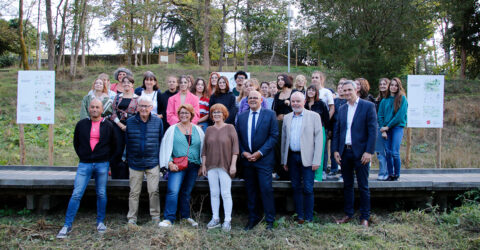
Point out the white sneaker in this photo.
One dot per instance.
(101, 228)
(226, 226)
(64, 232)
(213, 224)
(165, 223)
(132, 222)
(192, 222)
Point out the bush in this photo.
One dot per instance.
(7, 61)
(189, 58)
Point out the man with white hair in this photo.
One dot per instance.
(143, 136)
(302, 147)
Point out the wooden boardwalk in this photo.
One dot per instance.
(41, 182)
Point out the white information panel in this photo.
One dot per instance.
(425, 101)
(231, 79)
(36, 97)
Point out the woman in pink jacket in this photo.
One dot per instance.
(183, 96)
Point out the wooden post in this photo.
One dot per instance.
(159, 56)
(439, 148)
(174, 57)
(409, 147)
(21, 132)
(50, 144)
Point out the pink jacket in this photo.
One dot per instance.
(174, 103)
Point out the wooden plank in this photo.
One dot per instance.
(22, 143)
(409, 147)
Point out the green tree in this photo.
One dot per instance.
(368, 38)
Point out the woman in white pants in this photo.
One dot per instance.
(219, 157)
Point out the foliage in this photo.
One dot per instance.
(7, 60)
(189, 58)
(9, 39)
(372, 39)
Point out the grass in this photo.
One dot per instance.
(415, 229)
(460, 141)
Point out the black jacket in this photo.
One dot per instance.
(143, 142)
(228, 100)
(321, 108)
(106, 147)
(162, 107)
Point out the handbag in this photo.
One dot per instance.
(182, 162)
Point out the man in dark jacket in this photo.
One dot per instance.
(143, 137)
(94, 142)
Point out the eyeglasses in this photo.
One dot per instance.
(253, 98)
(144, 106)
(241, 77)
(217, 112)
(184, 113)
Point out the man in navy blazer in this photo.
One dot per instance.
(353, 144)
(257, 131)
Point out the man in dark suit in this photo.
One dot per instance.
(353, 144)
(257, 131)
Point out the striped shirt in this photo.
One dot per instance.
(203, 104)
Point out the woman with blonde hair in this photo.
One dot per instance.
(250, 85)
(100, 91)
(299, 84)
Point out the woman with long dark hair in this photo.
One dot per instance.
(314, 103)
(223, 95)
(392, 118)
(199, 88)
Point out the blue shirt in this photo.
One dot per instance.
(296, 131)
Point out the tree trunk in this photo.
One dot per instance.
(247, 39)
(206, 36)
(83, 51)
(23, 48)
(273, 55)
(61, 41)
(81, 30)
(222, 38)
(51, 36)
(141, 50)
(463, 62)
(38, 36)
(130, 36)
(74, 35)
(235, 36)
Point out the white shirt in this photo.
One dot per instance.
(249, 124)
(350, 113)
(152, 96)
(326, 96)
(296, 131)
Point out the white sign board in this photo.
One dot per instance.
(231, 78)
(36, 97)
(425, 101)
(164, 59)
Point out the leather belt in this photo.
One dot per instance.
(348, 146)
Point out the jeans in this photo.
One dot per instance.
(136, 182)
(204, 126)
(392, 149)
(84, 173)
(220, 183)
(350, 164)
(179, 187)
(258, 182)
(381, 155)
(302, 184)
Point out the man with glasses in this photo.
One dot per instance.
(257, 131)
(240, 78)
(143, 136)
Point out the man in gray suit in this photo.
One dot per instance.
(302, 147)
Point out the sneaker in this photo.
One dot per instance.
(156, 220)
(192, 222)
(132, 222)
(340, 179)
(101, 228)
(213, 224)
(324, 176)
(332, 173)
(227, 226)
(64, 232)
(165, 223)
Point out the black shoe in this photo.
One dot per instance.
(395, 178)
(270, 226)
(390, 178)
(251, 224)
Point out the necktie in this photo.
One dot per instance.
(252, 130)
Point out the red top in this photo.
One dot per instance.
(203, 104)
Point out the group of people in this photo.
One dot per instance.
(255, 131)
